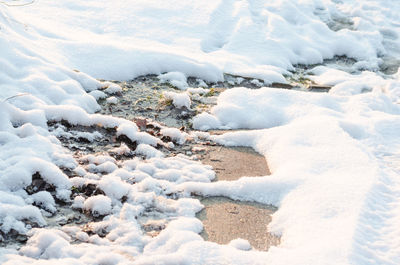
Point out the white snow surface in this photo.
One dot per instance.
(179, 100)
(257, 38)
(334, 157)
(175, 134)
(176, 79)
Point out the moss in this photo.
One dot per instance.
(75, 189)
(164, 101)
(210, 93)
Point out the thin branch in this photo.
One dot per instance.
(15, 96)
(24, 4)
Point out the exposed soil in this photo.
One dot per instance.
(231, 163)
(225, 220)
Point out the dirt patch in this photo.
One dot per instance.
(225, 220)
(231, 163)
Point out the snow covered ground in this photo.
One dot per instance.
(334, 157)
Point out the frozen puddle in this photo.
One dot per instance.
(225, 220)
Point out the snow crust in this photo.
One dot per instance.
(334, 157)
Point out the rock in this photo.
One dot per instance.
(131, 144)
(38, 184)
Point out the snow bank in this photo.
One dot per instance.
(263, 108)
(331, 167)
(35, 91)
(183, 38)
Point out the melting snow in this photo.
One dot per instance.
(334, 157)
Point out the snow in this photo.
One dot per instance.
(98, 205)
(97, 94)
(112, 100)
(60, 132)
(176, 79)
(205, 40)
(48, 244)
(78, 202)
(148, 151)
(240, 244)
(111, 88)
(325, 154)
(175, 134)
(334, 156)
(113, 187)
(179, 100)
(44, 200)
(198, 90)
(205, 121)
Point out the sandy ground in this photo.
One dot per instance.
(225, 219)
(231, 163)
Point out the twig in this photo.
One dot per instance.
(15, 96)
(24, 4)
